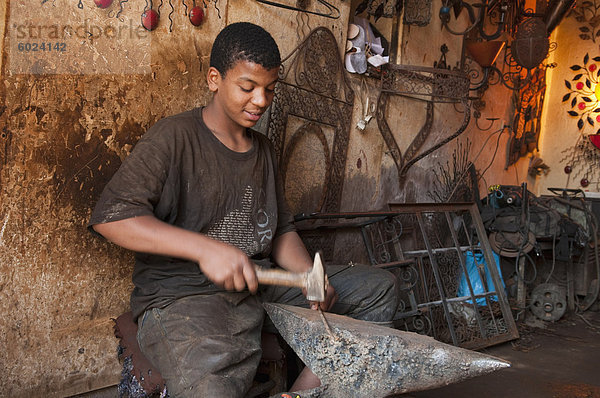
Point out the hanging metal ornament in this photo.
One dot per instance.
(196, 15)
(150, 17)
(582, 160)
(185, 8)
(103, 3)
(170, 15)
(118, 13)
(584, 182)
(531, 44)
(216, 7)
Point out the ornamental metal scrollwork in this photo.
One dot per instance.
(432, 85)
(311, 66)
(314, 89)
(420, 323)
(417, 12)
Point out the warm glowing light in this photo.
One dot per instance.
(584, 93)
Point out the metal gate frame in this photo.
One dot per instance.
(430, 304)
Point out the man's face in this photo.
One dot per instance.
(245, 92)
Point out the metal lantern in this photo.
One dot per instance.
(531, 44)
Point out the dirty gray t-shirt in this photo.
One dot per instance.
(183, 175)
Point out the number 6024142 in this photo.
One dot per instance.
(43, 46)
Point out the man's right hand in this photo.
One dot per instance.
(227, 266)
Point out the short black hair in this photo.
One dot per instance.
(244, 41)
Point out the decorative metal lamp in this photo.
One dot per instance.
(531, 44)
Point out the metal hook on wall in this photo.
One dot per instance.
(477, 21)
(334, 12)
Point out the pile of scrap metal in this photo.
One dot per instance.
(520, 224)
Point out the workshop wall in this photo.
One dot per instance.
(370, 166)
(560, 131)
(69, 118)
(372, 179)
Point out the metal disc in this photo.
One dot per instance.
(510, 244)
(548, 302)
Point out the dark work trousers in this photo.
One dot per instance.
(209, 345)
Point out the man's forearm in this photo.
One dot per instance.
(290, 253)
(147, 234)
(222, 263)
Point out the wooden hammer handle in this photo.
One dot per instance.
(279, 277)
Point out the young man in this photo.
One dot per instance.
(200, 202)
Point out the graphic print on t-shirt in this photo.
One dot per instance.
(237, 227)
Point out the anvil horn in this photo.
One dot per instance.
(359, 359)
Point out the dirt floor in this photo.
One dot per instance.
(549, 360)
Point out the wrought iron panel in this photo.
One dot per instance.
(473, 320)
(314, 89)
(425, 83)
(426, 246)
(432, 85)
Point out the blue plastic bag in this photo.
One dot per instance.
(478, 288)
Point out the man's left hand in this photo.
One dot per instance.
(330, 299)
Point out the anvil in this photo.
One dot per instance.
(358, 359)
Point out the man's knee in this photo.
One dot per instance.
(367, 293)
(385, 299)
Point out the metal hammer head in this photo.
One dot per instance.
(315, 281)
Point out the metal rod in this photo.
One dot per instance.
(394, 264)
(438, 279)
(435, 250)
(461, 260)
(329, 6)
(426, 293)
(327, 327)
(487, 253)
(482, 277)
(394, 39)
(521, 288)
(396, 209)
(455, 299)
(372, 259)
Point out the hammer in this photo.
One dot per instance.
(313, 281)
